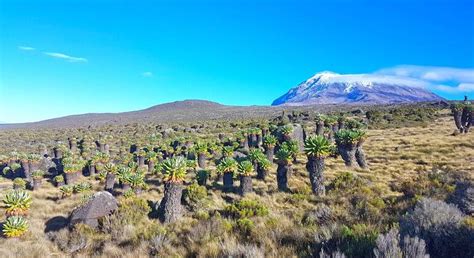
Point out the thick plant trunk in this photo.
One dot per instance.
(282, 176)
(340, 124)
(245, 185)
(259, 140)
(36, 184)
(70, 178)
(246, 143)
(457, 120)
(151, 166)
(202, 160)
(219, 177)
(101, 147)
(202, 180)
(228, 181)
(255, 165)
(170, 209)
(360, 156)
(347, 153)
(330, 136)
(109, 182)
(58, 154)
(270, 151)
(92, 170)
(261, 173)
(141, 161)
(25, 166)
(320, 129)
(33, 165)
(253, 140)
(466, 119)
(72, 146)
(334, 128)
(315, 167)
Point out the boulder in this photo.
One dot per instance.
(101, 204)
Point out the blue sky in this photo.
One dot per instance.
(67, 57)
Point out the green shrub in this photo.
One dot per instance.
(246, 208)
(66, 190)
(358, 240)
(196, 196)
(58, 179)
(345, 181)
(245, 225)
(82, 187)
(19, 183)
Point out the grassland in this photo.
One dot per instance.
(398, 158)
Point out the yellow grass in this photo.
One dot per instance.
(393, 155)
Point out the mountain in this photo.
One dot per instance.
(178, 111)
(333, 88)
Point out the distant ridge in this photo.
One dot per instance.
(185, 110)
(184, 104)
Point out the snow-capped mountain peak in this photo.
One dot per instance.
(333, 88)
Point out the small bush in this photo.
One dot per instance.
(19, 183)
(196, 196)
(245, 225)
(132, 213)
(345, 181)
(322, 214)
(414, 247)
(463, 197)
(440, 225)
(246, 208)
(388, 245)
(358, 240)
(232, 249)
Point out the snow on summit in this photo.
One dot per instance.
(333, 88)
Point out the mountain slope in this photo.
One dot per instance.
(178, 111)
(333, 88)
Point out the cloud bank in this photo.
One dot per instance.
(68, 58)
(446, 79)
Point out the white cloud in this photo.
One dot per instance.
(436, 77)
(147, 74)
(461, 88)
(68, 58)
(432, 73)
(25, 48)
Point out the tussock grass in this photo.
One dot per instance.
(394, 155)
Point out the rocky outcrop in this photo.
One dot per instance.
(101, 204)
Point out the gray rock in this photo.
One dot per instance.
(101, 204)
